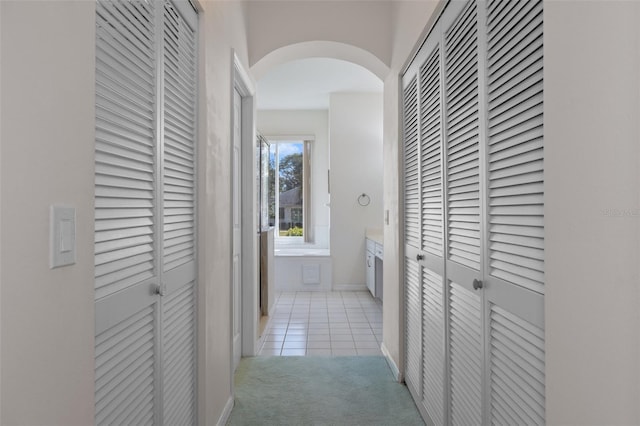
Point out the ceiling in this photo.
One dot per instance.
(307, 83)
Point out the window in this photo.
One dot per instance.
(289, 190)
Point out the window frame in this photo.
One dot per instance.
(307, 142)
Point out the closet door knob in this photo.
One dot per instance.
(160, 290)
(419, 257)
(477, 284)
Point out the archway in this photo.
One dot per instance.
(341, 52)
(317, 49)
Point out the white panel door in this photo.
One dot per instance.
(145, 213)
(237, 228)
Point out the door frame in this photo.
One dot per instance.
(242, 82)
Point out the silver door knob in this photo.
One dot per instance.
(160, 290)
(477, 284)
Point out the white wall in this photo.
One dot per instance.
(362, 23)
(592, 171)
(355, 134)
(409, 21)
(47, 132)
(222, 28)
(309, 122)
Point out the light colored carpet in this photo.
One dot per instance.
(319, 391)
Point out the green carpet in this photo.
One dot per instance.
(345, 391)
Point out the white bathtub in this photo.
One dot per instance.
(302, 269)
(297, 251)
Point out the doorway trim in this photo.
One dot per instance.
(242, 82)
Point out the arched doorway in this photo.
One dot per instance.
(370, 64)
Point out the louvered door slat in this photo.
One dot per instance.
(528, 144)
(125, 371)
(179, 131)
(178, 367)
(433, 345)
(517, 368)
(457, 35)
(124, 158)
(463, 138)
(413, 329)
(178, 173)
(131, 106)
(117, 114)
(124, 52)
(124, 214)
(431, 162)
(510, 36)
(518, 161)
(127, 18)
(466, 356)
(527, 70)
(411, 166)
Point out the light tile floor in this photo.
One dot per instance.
(332, 323)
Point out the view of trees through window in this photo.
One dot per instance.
(286, 188)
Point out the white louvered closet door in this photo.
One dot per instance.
(125, 214)
(144, 222)
(432, 253)
(178, 234)
(514, 282)
(412, 226)
(474, 176)
(463, 206)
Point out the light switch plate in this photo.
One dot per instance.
(62, 236)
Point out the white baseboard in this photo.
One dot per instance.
(226, 413)
(392, 365)
(263, 336)
(349, 287)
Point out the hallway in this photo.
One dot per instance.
(519, 122)
(330, 323)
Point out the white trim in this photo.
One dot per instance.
(246, 87)
(317, 49)
(287, 138)
(158, 206)
(249, 257)
(392, 365)
(226, 412)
